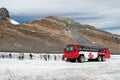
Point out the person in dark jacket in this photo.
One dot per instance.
(55, 57)
(10, 55)
(22, 55)
(3, 56)
(31, 56)
(63, 58)
(48, 57)
(45, 57)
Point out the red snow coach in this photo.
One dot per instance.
(80, 53)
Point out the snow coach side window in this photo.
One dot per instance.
(84, 49)
(100, 50)
(91, 49)
(87, 49)
(104, 50)
(80, 49)
(94, 50)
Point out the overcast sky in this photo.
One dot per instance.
(103, 14)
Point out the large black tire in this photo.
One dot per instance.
(72, 60)
(81, 59)
(99, 58)
(103, 58)
(91, 60)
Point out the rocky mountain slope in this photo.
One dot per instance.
(102, 38)
(52, 34)
(32, 38)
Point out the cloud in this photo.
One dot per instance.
(111, 28)
(99, 13)
(117, 31)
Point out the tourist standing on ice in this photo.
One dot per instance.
(19, 56)
(3, 56)
(22, 56)
(10, 55)
(45, 57)
(55, 57)
(31, 56)
(63, 58)
(48, 57)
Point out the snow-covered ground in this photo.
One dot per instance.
(39, 69)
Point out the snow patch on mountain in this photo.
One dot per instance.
(14, 22)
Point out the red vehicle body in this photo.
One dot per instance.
(80, 53)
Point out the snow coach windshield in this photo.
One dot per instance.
(69, 48)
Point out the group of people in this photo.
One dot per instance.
(46, 57)
(9, 55)
(21, 56)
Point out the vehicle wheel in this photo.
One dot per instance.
(99, 58)
(72, 60)
(103, 58)
(90, 59)
(81, 59)
(67, 59)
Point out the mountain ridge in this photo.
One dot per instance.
(52, 34)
